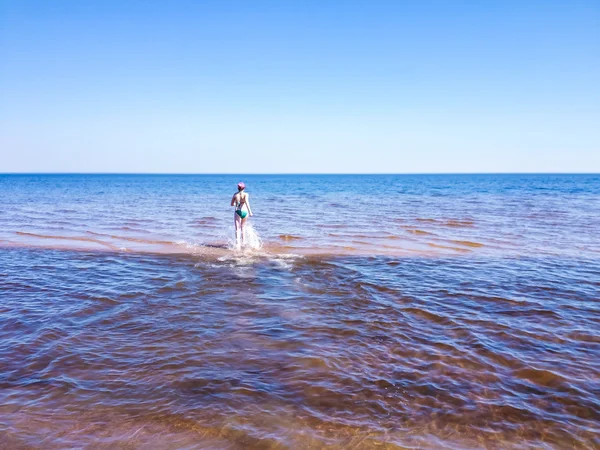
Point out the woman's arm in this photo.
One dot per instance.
(233, 200)
(248, 203)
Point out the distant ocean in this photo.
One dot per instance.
(407, 311)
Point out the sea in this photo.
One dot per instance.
(363, 311)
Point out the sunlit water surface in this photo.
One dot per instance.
(369, 312)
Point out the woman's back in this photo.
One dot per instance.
(241, 200)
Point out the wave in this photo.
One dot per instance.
(213, 251)
(447, 247)
(137, 230)
(132, 239)
(290, 237)
(342, 244)
(420, 232)
(206, 221)
(456, 223)
(469, 243)
(68, 238)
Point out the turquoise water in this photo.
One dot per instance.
(425, 311)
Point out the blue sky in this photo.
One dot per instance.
(300, 86)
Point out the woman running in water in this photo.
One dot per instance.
(242, 209)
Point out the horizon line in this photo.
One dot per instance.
(299, 173)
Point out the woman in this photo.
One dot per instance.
(242, 209)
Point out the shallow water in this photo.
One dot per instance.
(325, 214)
(455, 312)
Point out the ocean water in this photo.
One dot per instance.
(388, 311)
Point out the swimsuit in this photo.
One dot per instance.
(238, 210)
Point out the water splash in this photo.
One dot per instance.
(252, 240)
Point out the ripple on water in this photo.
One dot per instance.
(182, 350)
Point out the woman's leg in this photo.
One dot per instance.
(243, 226)
(238, 229)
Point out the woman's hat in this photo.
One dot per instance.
(241, 185)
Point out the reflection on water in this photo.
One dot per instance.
(471, 320)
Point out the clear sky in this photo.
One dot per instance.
(300, 86)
